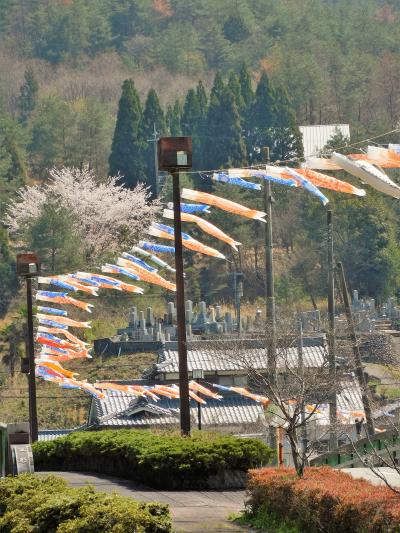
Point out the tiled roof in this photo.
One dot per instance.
(121, 409)
(214, 357)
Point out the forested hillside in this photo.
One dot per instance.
(237, 75)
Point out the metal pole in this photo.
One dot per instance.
(33, 422)
(198, 410)
(180, 310)
(333, 441)
(269, 284)
(157, 179)
(356, 352)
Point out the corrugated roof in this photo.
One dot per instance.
(51, 434)
(210, 359)
(121, 409)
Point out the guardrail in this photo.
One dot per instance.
(347, 456)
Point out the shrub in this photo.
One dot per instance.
(323, 500)
(45, 504)
(162, 460)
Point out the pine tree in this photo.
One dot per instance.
(125, 157)
(225, 145)
(153, 117)
(28, 96)
(173, 119)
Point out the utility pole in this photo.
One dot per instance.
(333, 441)
(269, 278)
(154, 140)
(356, 352)
(300, 358)
(28, 267)
(174, 154)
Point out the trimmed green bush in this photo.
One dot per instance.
(162, 460)
(45, 504)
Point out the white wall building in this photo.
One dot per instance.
(315, 137)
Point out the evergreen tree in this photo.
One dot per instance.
(224, 144)
(234, 86)
(191, 125)
(28, 95)
(262, 119)
(286, 141)
(125, 157)
(173, 119)
(17, 167)
(218, 86)
(153, 117)
(8, 277)
(202, 98)
(246, 87)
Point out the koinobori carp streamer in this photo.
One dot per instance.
(222, 203)
(52, 310)
(62, 298)
(206, 226)
(328, 182)
(139, 262)
(58, 331)
(64, 321)
(273, 174)
(366, 172)
(191, 208)
(166, 232)
(307, 185)
(145, 275)
(222, 177)
(160, 248)
(152, 258)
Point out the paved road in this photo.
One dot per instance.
(365, 473)
(192, 511)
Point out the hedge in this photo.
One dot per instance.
(324, 500)
(45, 504)
(159, 459)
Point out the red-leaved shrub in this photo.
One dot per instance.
(325, 500)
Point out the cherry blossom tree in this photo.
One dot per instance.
(106, 217)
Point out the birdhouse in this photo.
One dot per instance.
(175, 153)
(28, 265)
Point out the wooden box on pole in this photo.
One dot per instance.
(175, 154)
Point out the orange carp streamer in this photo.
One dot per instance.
(328, 182)
(64, 320)
(222, 203)
(157, 230)
(145, 275)
(206, 226)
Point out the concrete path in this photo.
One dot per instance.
(192, 511)
(365, 473)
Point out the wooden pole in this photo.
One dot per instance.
(333, 441)
(180, 310)
(33, 421)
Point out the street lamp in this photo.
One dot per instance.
(198, 374)
(175, 154)
(28, 267)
